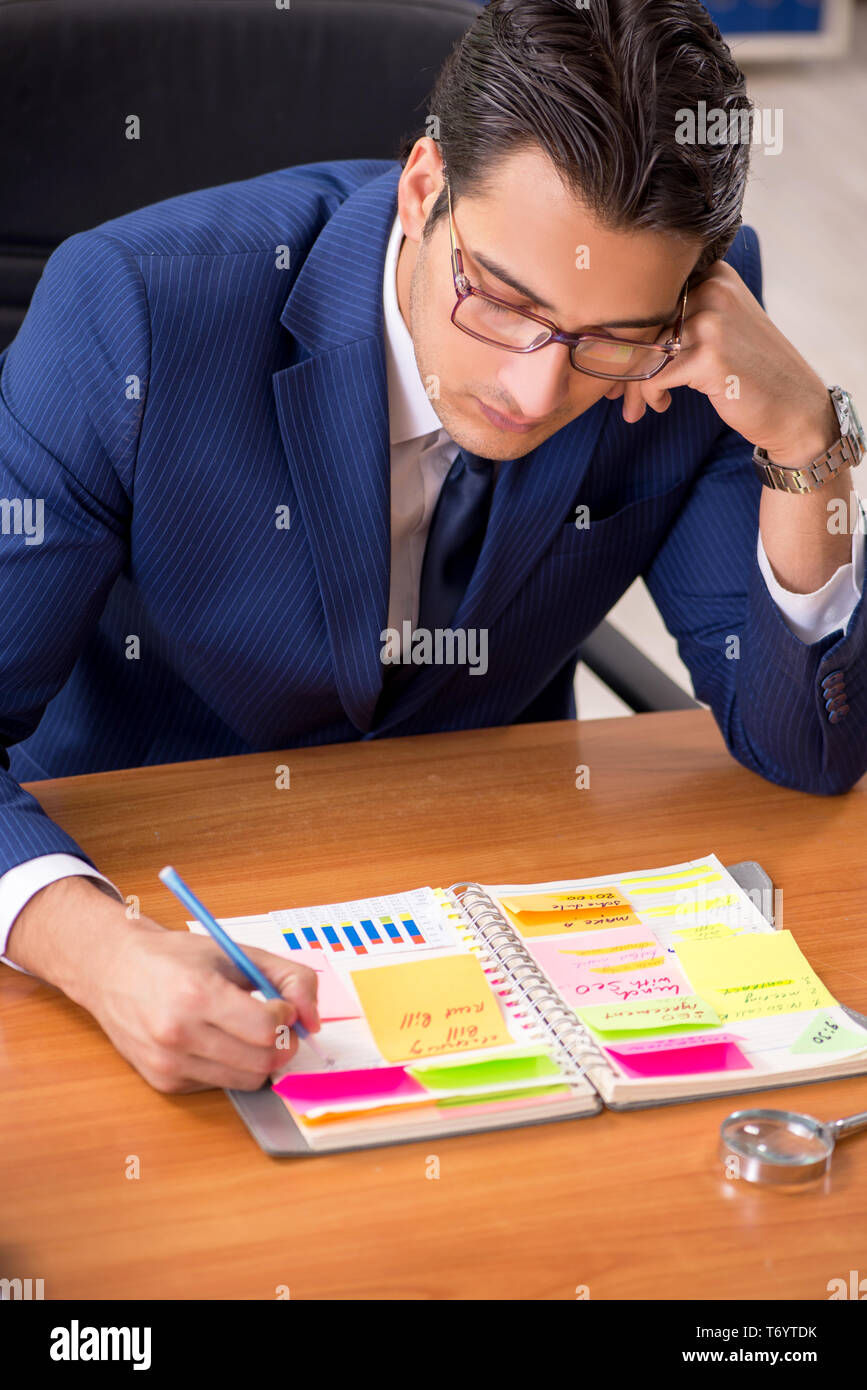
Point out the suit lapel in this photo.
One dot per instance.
(333, 415)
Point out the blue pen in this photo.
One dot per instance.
(175, 883)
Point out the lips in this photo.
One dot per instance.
(504, 422)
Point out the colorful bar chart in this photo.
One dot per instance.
(357, 937)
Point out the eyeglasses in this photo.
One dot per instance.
(597, 353)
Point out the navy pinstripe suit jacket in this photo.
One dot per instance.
(173, 387)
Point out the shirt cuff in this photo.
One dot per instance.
(18, 886)
(813, 616)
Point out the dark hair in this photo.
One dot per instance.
(598, 89)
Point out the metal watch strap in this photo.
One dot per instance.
(846, 452)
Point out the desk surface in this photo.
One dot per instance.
(631, 1205)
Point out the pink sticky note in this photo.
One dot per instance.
(613, 967)
(333, 996)
(307, 1091)
(680, 1061)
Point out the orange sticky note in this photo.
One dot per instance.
(557, 924)
(430, 1008)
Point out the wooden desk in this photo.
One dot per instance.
(633, 1205)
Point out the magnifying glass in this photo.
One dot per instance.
(781, 1146)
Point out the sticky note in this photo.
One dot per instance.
(752, 975)
(566, 901)
(828, 1033)
(311, 1093)
(715, 1055)
(497, 1072)
(684, 909)
(506, 1099)
(333, 997)
(675, 876)
(671, 885)
(566, 924)
(708, 931)
(686, 1011)
(430, 1007)
(612, 976)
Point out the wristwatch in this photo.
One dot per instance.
(846, 453)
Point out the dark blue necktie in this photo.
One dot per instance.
(454, 540)
(457, 530)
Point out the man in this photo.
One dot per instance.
(290, 430)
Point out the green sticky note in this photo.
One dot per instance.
(497, 1071)
(504, 1095)
(649, 1016)
(827, 1032)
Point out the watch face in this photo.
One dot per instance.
(856, 429)
(848, 416)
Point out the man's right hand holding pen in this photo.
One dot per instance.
(172, 1002)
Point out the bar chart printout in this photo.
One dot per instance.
(369, 926)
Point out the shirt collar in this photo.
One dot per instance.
(410, 413)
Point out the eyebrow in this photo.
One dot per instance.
(501, 273)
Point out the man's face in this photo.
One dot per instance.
(531, 228)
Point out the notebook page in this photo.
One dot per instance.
(657, 966)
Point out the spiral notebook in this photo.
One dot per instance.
(484, 1007)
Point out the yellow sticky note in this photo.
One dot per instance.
(752, 975)
(573, 900)
(708, 931)
(672, 885)
(428, 1008)
(681, 909)
(666, 876)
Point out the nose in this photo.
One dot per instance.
(536, 383)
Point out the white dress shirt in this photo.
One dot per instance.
(421, 456)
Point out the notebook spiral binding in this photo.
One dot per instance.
(527, 980)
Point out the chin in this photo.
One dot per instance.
(488, 442)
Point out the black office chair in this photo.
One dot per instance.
(222, 90)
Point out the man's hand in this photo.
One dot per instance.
(172, 1003)
(754, 378)
(761, 386)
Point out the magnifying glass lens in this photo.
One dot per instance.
(777, 1140)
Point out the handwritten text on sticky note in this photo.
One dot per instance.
(753, 975)
(687, 1011)
(613, 976)
(429, 1008)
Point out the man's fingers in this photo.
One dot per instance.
(296, 983)
(212, 1043)
(174, 1074)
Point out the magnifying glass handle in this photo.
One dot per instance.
(840, 1129)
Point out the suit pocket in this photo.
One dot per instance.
(639, 525)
